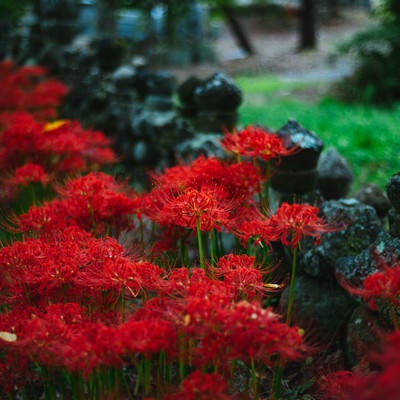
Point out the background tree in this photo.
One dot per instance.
(106, 17)
(307, 20)
(377, 51)
(10, 11)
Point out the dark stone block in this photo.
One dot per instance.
(334, 175)
(394, 223)
(219, 92)
(321, 304)
(308, 144)
(360, 227)
(372, 195)
(294, 181)
(393, 191)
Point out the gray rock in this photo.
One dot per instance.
(319, 304)
(218, 93)
(362, 330)
(354, 269)
(334, 175)
(394, 222)
(297, 173)
(161, 83)
(309, 147)
(393, 191)
(207, 144)
(186, 96)
(372, 195)
(361, 226)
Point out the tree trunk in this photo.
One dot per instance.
(240, 35)
(106, 19)
(308, 34)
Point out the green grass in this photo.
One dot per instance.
(365, 136)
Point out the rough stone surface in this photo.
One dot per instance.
(162, 83)
(372, 195)
(207, 144)
(394, 223)
(319, 304)
(309, 147)
(393, 191)
(354, 269)
(334, 175)
(297, 173)
(361, 226)
(186, 91)
(218, 93)
(363, 330)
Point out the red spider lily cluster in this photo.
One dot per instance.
(34, 145)
(253, 142)
(376, 376)
(106, 293)
(90, 289)
(380, 383)
(29, 89)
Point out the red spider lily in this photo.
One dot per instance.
(62, 336)
(383, 284)
(221, 331)
(28, 88)
(254, 141)
(42, 220)
(61, 147)
(238, 180)
(8, 119)
(242, 273)
(382, 383)
(251, 224)
(70, 265)
(210, 208)
(29, 173)
(15, 369)
(292, 222)
(255, 333)
(119, 275)
(96, 202)
(202, 386)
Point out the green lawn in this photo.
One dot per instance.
(365, 136)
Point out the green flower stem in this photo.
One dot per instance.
(147, 375)
(279, 369)
(267, 184)
(77, 386)
(259, 187)
(291, 288)
(393, 316)
(277, 380)
(212, 240)
(141, 230)
(126, 385)
(200, 242)
(220, 244)
(254, 379)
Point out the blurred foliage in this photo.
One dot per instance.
(13, 8)
(376, 79)
(366, 136)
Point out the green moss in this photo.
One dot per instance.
(366, 136)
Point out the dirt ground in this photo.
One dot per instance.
(276, 45)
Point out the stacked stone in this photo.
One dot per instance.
(296, 177)
(393, 192)
(217, 100)
(334, 175)
(210, 106)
